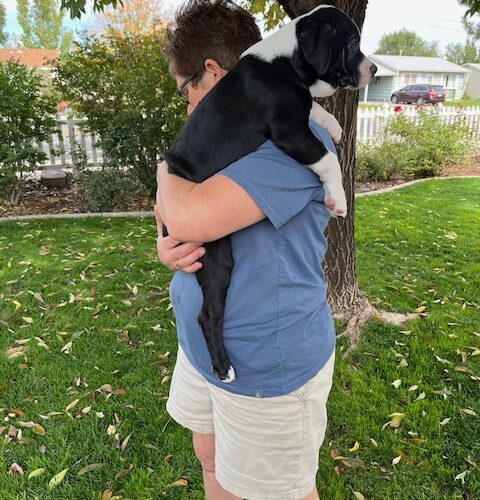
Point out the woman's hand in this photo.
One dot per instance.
(176, 255)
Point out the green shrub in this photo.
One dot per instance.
(26, 118)
(122, 85)
(378, 162)
(104, 190)
(413, 147)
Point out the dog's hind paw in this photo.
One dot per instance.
(337, 208)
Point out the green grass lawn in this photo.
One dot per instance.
(86, 328)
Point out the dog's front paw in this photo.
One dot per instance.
(334, 129)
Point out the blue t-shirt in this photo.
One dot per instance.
(278, 330)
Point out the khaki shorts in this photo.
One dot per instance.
(265, 448)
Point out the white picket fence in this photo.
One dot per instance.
(70, 136)
(370, 122)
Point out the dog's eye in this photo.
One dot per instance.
(353, 44)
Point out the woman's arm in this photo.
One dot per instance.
(206, 211)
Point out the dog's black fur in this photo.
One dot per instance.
(259, 100)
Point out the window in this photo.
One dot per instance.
(449, 81)
(429, 78)
(409, 78)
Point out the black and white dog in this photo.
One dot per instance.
(268, 95)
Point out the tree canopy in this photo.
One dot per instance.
(406, 43)
(3, 35)
(473, 6)
(462, 53)
(135, 17)
(41, 22)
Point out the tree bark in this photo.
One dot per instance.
(345, 298)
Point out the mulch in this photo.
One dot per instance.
(38, 199)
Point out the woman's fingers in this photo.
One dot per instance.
(179, 256)
(188, 261)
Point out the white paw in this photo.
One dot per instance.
(230, 375)
(335, 199)
(329, 171)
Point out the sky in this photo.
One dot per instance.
(438, 20)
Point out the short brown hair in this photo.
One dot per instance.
(209, 29)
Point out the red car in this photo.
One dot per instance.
(420, 94)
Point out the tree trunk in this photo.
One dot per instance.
(345, 298)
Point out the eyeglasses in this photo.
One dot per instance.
(182, 91)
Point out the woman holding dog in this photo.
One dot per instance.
(258, 437)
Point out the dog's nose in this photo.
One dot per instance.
(373, 69)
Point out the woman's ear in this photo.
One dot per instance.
(214, 69)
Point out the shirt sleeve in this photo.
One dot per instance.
(280, 186)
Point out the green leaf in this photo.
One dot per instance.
(36, 473)
(57, 479)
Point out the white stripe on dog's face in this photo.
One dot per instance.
(281, 43)
(364, 72)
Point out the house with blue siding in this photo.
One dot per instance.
(395, 72)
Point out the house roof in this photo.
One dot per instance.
(418, 64)
(473, 66)
(32, 58)
(383, 70)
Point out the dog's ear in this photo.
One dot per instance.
(315, 39)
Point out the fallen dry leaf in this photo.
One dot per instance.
(354, 447)
(72, 404)
(15, 469)
(125, 442)
(124, 472)
(107, 494)
(420, 397)
(354, 463)
(396, 419)
(89, 468)
(461, 476)
(180, 482)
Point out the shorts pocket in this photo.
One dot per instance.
(303, 393)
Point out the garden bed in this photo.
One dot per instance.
(39, 199)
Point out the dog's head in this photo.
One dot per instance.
(328, 52)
